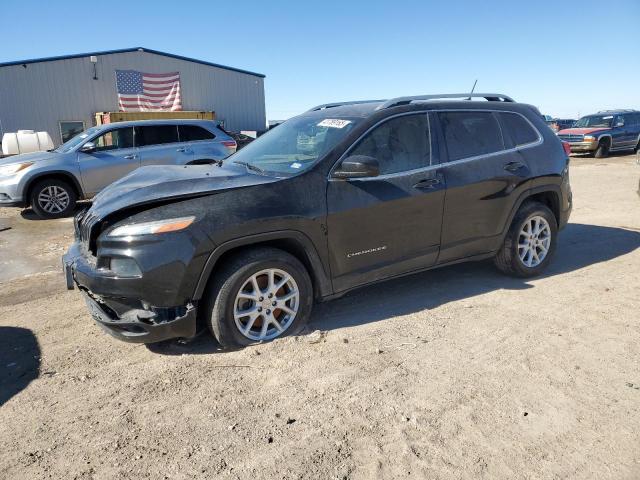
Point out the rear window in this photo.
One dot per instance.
(193, 133)
(156, 135)
(469, 134)
(517, 129)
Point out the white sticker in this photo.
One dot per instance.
(296, 165)
(334, 123)
(84, 135)
(608, 117)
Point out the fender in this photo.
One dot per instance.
(52, 173)
(524, 196)
(600, 137)
(318, 273)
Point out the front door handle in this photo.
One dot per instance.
(427, 183)
(182, 150)
(130, 157)
(513, 166)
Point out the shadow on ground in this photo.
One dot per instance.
(579, 246)
(29, 214)
(19, 361)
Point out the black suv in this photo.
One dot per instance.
(342, 196)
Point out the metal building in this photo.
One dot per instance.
(62, 94)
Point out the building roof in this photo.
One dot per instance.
(127, 50)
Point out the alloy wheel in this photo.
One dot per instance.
(266, 304)
(534, 241)
(53, 199)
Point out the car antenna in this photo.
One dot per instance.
(472, 89)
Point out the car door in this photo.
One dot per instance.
(484, 177)
(160, 145)
(113, 157)
(623, 134)
(388, 224)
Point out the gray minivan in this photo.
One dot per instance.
(51, 182)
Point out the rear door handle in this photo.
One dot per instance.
(427, 183)
(130, 157)
(513, 166)
(183, 149)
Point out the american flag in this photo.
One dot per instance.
(144, 92)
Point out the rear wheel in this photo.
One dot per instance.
(53, 198)
(530, 242)
(603, 149)
(257, 296)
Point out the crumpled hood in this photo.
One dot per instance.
(160, 182)
(28, 157)
(582, 131)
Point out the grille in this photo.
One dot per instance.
(83, 224)
(571, 138)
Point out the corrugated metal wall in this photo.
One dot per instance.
(41, 95)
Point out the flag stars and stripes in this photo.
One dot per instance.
(139, 91)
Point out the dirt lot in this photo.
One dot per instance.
(454, 373)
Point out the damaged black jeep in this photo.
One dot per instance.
(342, 196)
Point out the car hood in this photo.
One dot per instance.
(28, 157)
(160, 183)
(582, 131)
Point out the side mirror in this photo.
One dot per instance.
(88, 147)
(358, 166)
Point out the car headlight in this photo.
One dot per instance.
(151, 228)
(589, 138)
(14, 168)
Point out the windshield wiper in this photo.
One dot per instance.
(250, 166)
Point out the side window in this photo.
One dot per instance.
(620, 121)
(156, 135)
(518, 129)
(115, 139)
(193, 133)
(400, 144)
(468, 134)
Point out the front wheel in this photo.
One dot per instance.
(53, 198)
(258, 295)
(530, 242)
(603, 149)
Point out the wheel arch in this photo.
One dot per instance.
(549, 195)
(57, 175)
(606, 137)
(293, 242)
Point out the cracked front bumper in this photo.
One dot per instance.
(125, 318)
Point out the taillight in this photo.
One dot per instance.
(567, 148)
(230, 143)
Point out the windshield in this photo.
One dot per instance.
(594, 121)
(294, 146)
(77, 140)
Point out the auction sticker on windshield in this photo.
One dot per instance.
(334, 123)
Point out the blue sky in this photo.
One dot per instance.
(569, 58)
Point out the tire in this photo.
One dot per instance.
(509, 259)
(235, 275)
(603, 149)
(64, 195)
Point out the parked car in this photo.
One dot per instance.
(558, 124)
(51, 182)
(386, 188)
(604, 132)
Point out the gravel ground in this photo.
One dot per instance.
(454, 373)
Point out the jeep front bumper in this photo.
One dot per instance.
(125, 318)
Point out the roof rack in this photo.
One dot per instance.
(340, 104)
(618, 110)
(491, 97)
